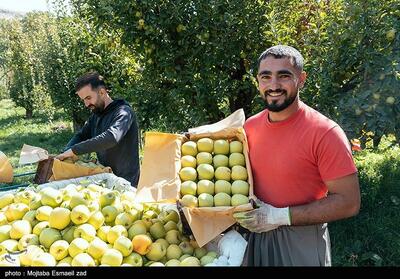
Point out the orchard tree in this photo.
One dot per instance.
(26, 42)
(196, 56)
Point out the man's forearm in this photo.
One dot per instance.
(101, 142)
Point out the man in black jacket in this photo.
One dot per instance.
(111, 131)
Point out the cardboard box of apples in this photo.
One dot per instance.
(207, 171)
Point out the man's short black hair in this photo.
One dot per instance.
(282, 51)
(93, 78)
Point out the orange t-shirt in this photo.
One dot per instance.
(291, 159)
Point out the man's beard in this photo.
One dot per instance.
(97, 108)
(274, 106)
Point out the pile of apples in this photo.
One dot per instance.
(213, 173)
(89, 225)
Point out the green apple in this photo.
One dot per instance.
(163, 242)
(223, 173)
(220, 160)
(27, 240)
(390, 100)
(37, 229)
(48, 236)
(200, 252)
(205, 145)
(107, 199)
(173, 262)
(155, 264)
(83, 259)
(206, 260)
(391, 34)
(221, 146)
(24, 196)
(189, 201)
(94, 206)
(77, 246)
(156, 251)
(205, 171)
(188, 188)
(239, 173)
(171, 215)
(204, 158)
(188, 173)
(59, 249)
(20, 228)
(237, 159)
(223, 186)
(239, 199)
(35, 202)
(43, 213)
(189, 148)
(186, 248)
(170, 225)
(212, 254)
(43, 259)
(78, 199)
(51, 197)
(6, 199)
(125, 219)
(222, 199)
(135, 229)
(95, 188)
(68, 233)
(190, 261)
(102, 232)
(240, 187)
(16, 211)
(173, 252)
(133, 259)
(173, 237)
(85, 231)
(157, 230)
(80, 214)
(110, 212)
(31, 252)
(60, 218)
(236, 147)
(124, 245)
(112, 257)
(5, 232)
(205, 200)
(205, 186)
(188, 161)
(30, 216)
(97, 248)
(115, 232)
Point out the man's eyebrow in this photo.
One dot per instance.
(280, 72)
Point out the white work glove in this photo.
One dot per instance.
(264, 218)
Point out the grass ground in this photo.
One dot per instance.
(16, 131)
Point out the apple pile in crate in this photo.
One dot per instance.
(213, 173)
(89, 225)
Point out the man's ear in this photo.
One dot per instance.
(302, 79)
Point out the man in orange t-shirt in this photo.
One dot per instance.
(304, 174)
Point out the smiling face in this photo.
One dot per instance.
(279, 83)
(92, 98)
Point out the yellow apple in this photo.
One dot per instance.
(37, 229)
(189, 201)
(97, 248)
(220, 160)
(173, 252)
(115, 232)
(83, 259)
(59, 218)
(205, 171)
(204, 158)
(85, 231)
(20, 228)
(188, 173)
(80, 214)
(190, 261)
(205, 145)
(239, 199)
(189, 148)
(5, 232)
(205, 200)
(6, 199)
(239, 173)
(43, 259)
(112, 257)
(102, 232)
(173, 262)
(222, 199)
(156, 252)
(237, 159)
(205, 186)
(133, 259)
(27, 240)
(223, 173)
(188, 161)
(16, 211)
(236, 147)
(223, 186)
(188, 188)
(124, 245)
(43, 213)
(96, 220)
(59, 249)
(110, 212)
(125, 219)
(51, 197)
(77, 246)
(221, 146)
(31, 252)
(240, 187)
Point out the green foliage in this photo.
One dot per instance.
(372, 237)
(196, 55)
(26, 41)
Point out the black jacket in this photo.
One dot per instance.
(113, 134)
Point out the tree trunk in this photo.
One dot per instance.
(28, 113)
